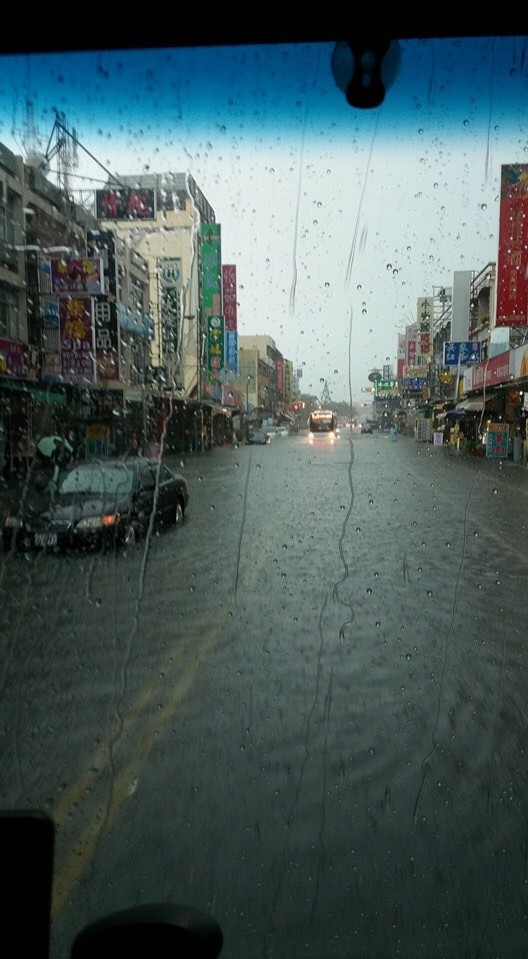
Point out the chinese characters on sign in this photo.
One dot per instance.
(279, 375)
(106, 340)
(212, 299)
(231, 352)
(424, 327)
(229, 292)
(77, 339)
(79, 275)
(215, 346)
(229, 298)
(13, 359)
(455, 353)
(497, 441)
(171, 303)
(387, 388)
(414, 380)
(512, 260)
(125, 203)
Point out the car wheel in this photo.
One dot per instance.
(178, 514)
(129, 534)
(8, 544)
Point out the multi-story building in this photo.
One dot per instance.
(162, 216)
(478, 371)
(268, 383)
(74, 327)
(37, 222)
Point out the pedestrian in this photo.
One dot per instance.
(133, 446)
(393, 433)
(61, 457)
(154, 448)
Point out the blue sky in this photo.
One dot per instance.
(338, 219)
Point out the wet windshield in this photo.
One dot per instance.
(289, 689)
(117, 479)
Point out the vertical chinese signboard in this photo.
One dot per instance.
(424, 330)
(212, 299)
(77, 339)
(107, 337)
(215, 346)
(279, 376)
(401, 356)
(170, 274)
(229, 298)
(512, 261)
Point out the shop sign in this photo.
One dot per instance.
(104, 402)
(170, 273)
(387, 388)
(215, 346)
(106, 340)
(279, 374)
(12, 359)
(211, 269)
(231, 351)
(77, 275)
(497, 441)
(519, 362)
(461, 352)
(97, 441)
(77, 339)
(229, 294)
(512, 262)
(495, 370)
(125, 203)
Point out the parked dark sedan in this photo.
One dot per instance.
(98, 504)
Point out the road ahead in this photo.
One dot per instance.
(303, 712)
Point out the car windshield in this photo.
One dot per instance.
(291, 694)
(98, 479)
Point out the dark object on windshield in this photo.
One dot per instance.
(160, 930)
(364, 67)
(27, 840)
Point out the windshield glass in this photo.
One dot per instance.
(289, 689)
(116, 479)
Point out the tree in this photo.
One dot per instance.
(326, 399)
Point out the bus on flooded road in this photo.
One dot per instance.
(323, 424)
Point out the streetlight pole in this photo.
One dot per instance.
(247, 406)
(199, 381)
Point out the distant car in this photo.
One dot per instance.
(275, 430)
(258, 438)
(366, 428)
(96, 505)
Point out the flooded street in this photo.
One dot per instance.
(302, 712)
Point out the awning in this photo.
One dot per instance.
(469, 409)
(39, 395)
(476, 405)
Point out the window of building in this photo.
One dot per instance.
(8, 314)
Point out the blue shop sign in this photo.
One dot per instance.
(461, 352)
